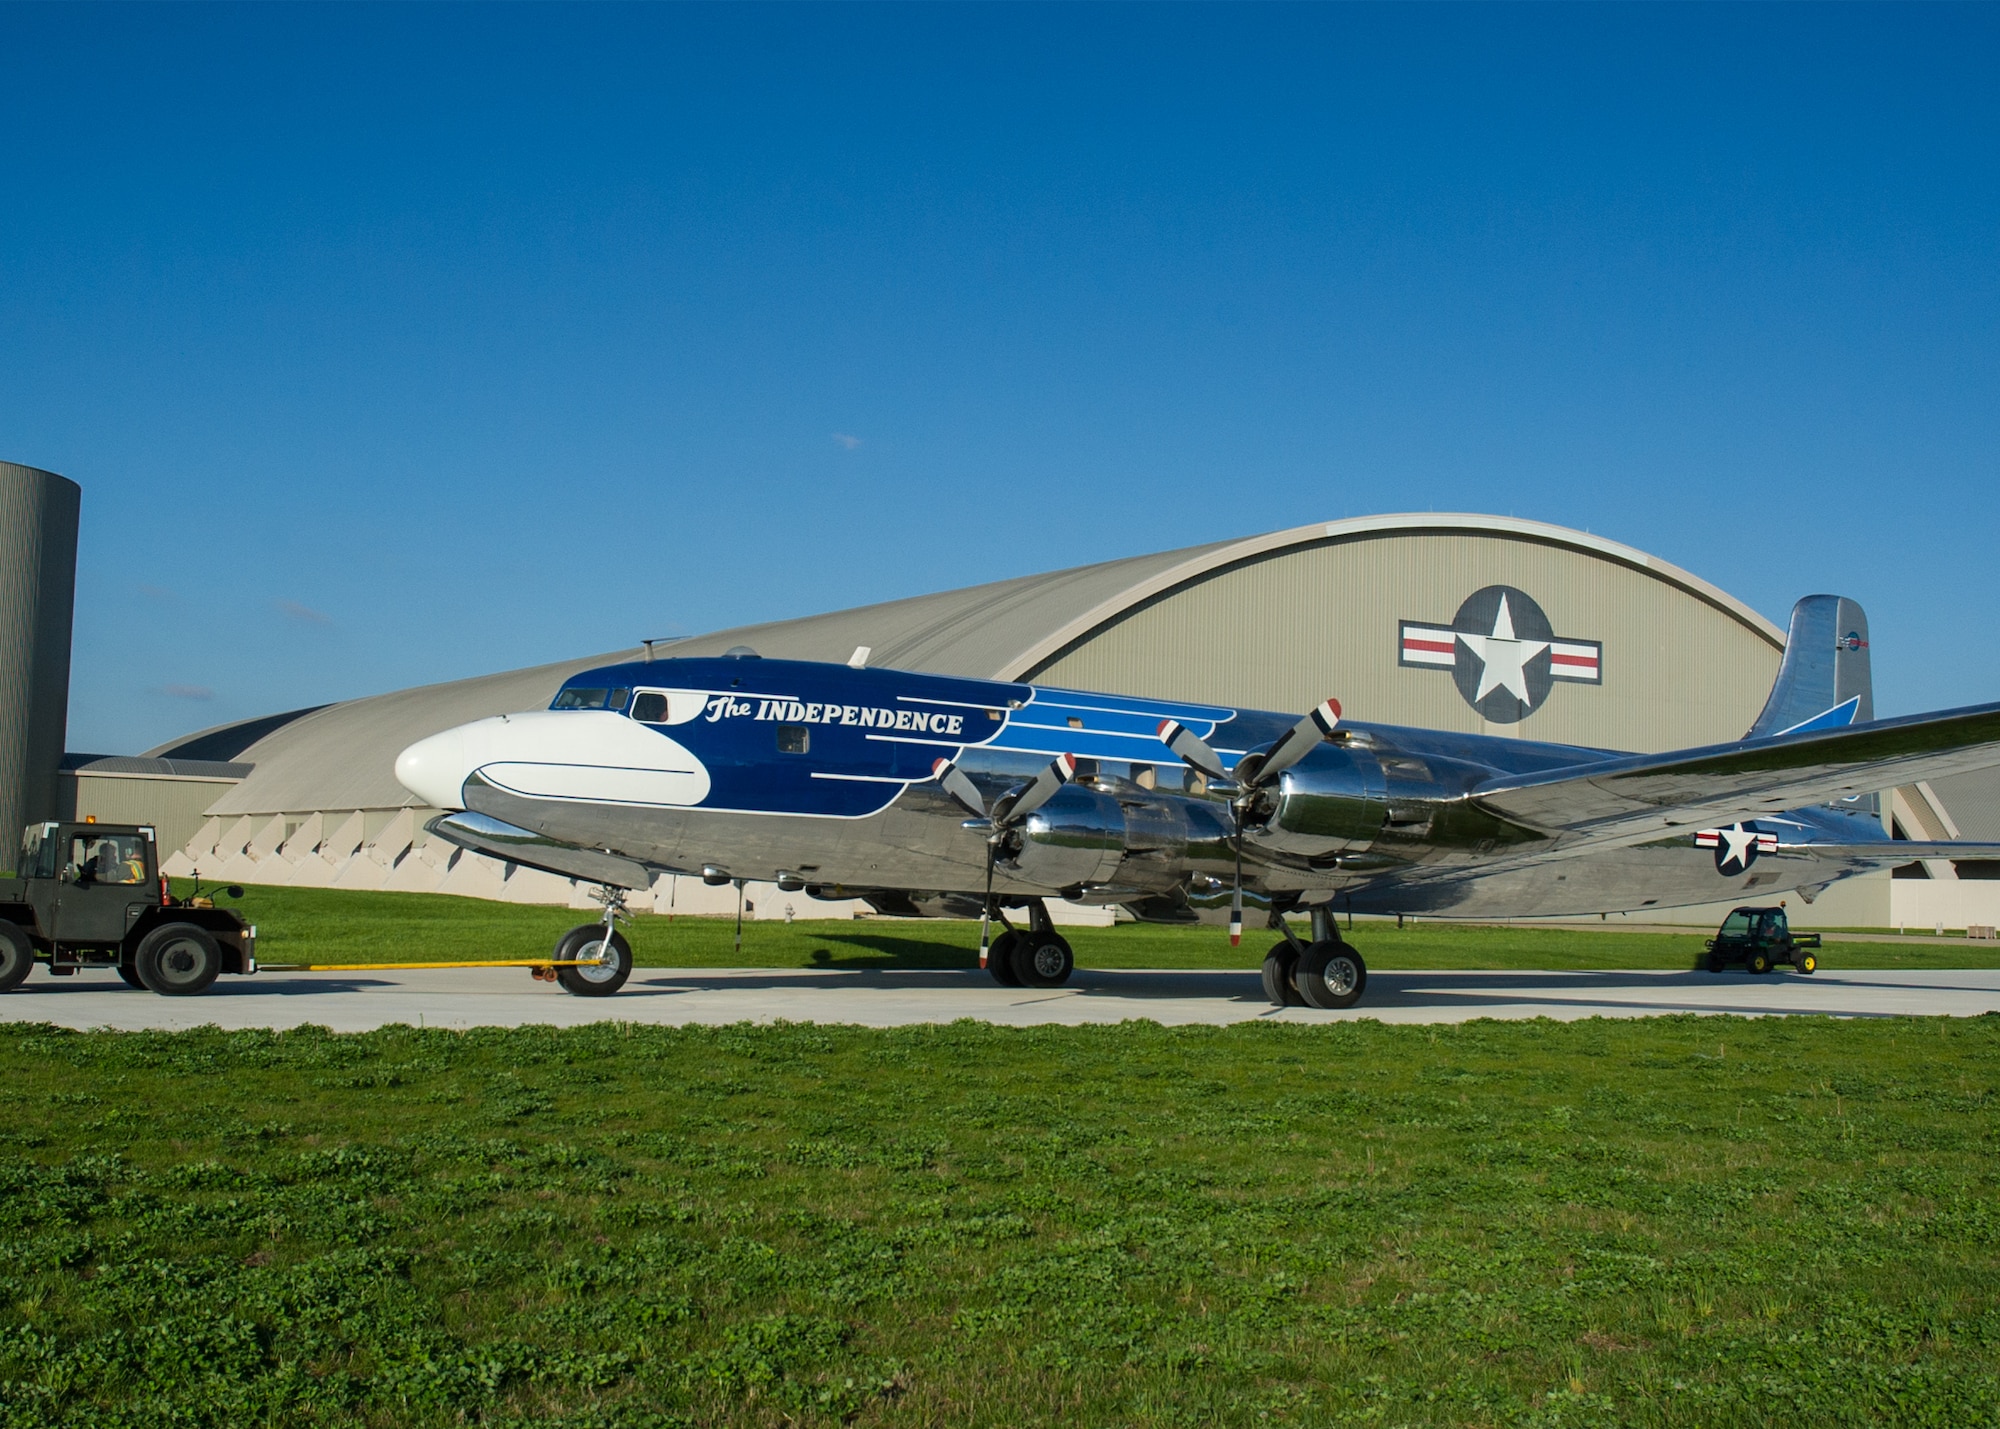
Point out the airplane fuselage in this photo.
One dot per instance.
(824, 778)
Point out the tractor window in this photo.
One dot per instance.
(1736, 925)
(108, 858)
(579, 699)
(41, 849)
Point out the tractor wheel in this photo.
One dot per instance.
(17, 956)
(1331, 975)
(177, 960)
(1281, 966)
(1807, 962)
(599, 979)
(1759, 961)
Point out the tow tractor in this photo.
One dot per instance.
(91, 895)
(1759, 939)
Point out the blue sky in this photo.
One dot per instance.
(396, 344)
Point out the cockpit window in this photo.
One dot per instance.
(650, 707)
(579, 698)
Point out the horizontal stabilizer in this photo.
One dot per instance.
(1627, 800)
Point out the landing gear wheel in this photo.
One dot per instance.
(1043, 960)
(1806, 962)
(599, 979)
(1281, 966)
(130, 974)
(177, 960)
(17, 956)
(1331, 975)
(1000, 958)
(1759, 961)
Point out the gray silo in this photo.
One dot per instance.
(38, 526)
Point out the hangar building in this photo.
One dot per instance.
(1649, 657)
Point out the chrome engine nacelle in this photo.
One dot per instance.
(1334, 801)
(1085, 837)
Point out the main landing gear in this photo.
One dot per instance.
(1036, 957)
(1324, 973)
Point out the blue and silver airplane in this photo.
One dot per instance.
(927, 794)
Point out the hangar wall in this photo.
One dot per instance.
(1680, 667)
(39, 513)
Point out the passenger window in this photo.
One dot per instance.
(650, 707)
(794, 739)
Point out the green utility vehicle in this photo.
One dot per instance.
(1759, 939)
(91, 895)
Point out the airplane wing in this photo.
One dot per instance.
(1630, 800)
(1890, 851)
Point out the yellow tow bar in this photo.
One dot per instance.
(537, 963)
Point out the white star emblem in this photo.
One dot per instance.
(1737, 842)
(1502, 657)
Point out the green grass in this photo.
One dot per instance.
(341, 925)
(1678, 1221)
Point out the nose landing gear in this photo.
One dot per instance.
(594, 960)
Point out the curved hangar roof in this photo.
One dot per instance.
(1645, 656)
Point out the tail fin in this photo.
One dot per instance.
(1824, 682)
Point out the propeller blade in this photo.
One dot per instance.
(1014, 807)
(986, 909)
(1294, 744)
(1191, 749)
(960, 787)
(1236, 901)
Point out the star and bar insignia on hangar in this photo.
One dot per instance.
(1502, 652)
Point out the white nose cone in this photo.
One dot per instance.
(434, 770)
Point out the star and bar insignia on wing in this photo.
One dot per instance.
(1737, 846)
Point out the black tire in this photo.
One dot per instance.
(1717, 962)
(1807, 962)
(177, 960)
(17, 956)
(589, 941)
(1758, 962)
(130, 974)
(1331, 976)
(1000, 958)
(1043, 960)
(1281, 966)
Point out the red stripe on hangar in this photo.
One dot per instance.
(1576, 660)
(1428, 645)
